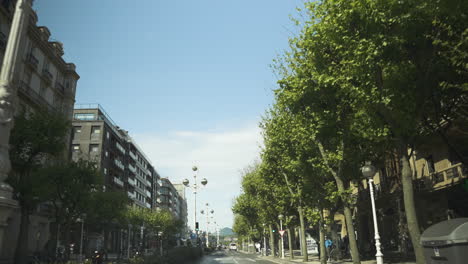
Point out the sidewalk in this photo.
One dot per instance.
(313, 259)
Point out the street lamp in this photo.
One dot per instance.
(160, 233)
(208, 211)
(281, 217)
(369, 171)
(82, 219)
(264, 240)
(128, 240)
(195, 187)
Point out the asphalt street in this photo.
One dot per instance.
(231, 257)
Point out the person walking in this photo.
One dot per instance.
(328, 246)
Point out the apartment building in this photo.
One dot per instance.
(141, 176)
(169, 198)
(180, 188)
(43, 80)
(125, 167)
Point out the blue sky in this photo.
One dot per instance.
(188, 79)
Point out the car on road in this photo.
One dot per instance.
(233, 246)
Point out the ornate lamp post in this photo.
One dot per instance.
(281, 217)
(369, 171)
(207, 235)
(7, 103)
(264, 241)
(82, 220)
(195, 187)
(128, 240)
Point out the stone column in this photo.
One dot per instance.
(7, 103)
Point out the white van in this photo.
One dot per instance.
(233, 246)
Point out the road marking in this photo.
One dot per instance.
(235, 260)
(251, 260)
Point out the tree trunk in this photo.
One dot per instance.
(272, 241)
(21, 252)
(323, 250)
(337, 175)
(291, 251)
(280, 247)
(305, 257)
(410, 208)
(333, 233)
(349, 225)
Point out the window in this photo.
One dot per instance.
(93, 148)
(107, 135)
(46, 65)
(27, 76)
(77, 129)
(105, 171)
(107, 154)
(76, 148)
(42, 90)
(95, 130)
(85, 117)
(430, 164)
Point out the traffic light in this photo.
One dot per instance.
(273, 230)
(196, 226)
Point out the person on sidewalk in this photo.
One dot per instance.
(328, 246)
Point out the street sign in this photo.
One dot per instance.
(282, 232)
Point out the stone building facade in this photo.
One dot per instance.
(43, 80)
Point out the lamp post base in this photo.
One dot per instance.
(7, 206)
(379, 258)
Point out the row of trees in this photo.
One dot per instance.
(42, 175)
(362, 81)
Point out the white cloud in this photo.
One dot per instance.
(219, 155)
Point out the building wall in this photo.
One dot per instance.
(57, 94)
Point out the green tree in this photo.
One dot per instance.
(106, 210)
(37, 139)
(70, 188)
(398, 66)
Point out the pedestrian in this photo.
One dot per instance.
(346, 244)
(328, 245)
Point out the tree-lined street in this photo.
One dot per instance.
(230, 257)
(355, 149)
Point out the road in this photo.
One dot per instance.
(227, 257)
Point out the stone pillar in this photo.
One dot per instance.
(7, 103)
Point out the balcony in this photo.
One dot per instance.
(119, 147)
(32, 61)
(448, 176)
(132, 155)
(131, 195)
(131, 168)
(47, 75)
(34, 96)
(131, 181)
(147, 193)
(119, 164)
(118, 181)
(148, 205)
(148, 183)
(441, 179)
(60, 87)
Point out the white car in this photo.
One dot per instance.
(233, 246)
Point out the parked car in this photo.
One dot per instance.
(233, 246)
